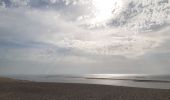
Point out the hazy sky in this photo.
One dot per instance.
(84, 36)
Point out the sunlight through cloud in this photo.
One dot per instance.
(106, 9)
(54, 31)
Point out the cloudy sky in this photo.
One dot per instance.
(84, 36)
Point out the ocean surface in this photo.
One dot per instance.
(129, 80)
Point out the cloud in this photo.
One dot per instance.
(143, 15)
(36, 25)
(55, 31)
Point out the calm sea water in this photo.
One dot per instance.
(143, 81)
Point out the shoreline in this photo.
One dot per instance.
(11, 89)
(158, 82)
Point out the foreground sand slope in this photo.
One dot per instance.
(22, 90)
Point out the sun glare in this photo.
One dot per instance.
(106, 9)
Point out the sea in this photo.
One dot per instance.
(127, 80)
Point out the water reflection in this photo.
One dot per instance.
(161, 81)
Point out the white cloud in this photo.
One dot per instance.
(55, 28)
(31, 31)
(143, 15)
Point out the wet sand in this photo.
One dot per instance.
(25, 90)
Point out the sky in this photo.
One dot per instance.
(84, 37)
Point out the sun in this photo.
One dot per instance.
(106, 9)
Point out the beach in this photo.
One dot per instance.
(11, 89)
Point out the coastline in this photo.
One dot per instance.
(11, 89)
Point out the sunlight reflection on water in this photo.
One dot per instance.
(161, 81)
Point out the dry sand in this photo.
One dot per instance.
(24, 90)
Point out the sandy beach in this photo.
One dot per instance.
(11, 89)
